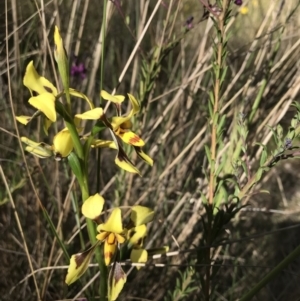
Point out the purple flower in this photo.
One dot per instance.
(78, 69)
(117, 3)
(238, 2)
(288, 143)
(189, 22)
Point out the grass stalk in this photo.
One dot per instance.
(271, 275)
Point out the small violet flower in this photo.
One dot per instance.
(288, 143)
(189, 22)
(238, 2)
(78, 69)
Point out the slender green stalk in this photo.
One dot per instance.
(219, 70)
(103, 289)
(271, 275)
(101, 83)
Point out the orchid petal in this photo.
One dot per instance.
(117, 279)
(63, 143)
(139, 256)
(23, 119)
(46, 124)
(79, 263)
(134, 103)
(40, 150)
(110, 246)
(113, 98)
(101, 236)
(121, 239)
(93, 114)
(113, 224)
(126, 165)
(45, 102)
(141, 215)
(139, 233)
(131, 138)
(93, 206)
(118, 122)
(81, 95)
(157, 251)
(34, 82)
(103, 143)
(143, 156)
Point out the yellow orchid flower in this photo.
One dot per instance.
(45, 100)
(121, 125)
(139, 217)
(91, 208)
(111, 233)
(46, 96)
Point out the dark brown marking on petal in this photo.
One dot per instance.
(49, 90)
(122, 155)
(79, 258)
(140, 242)
(121, 158)
(118, 272)
(108, 255)
(138, 149)
(131, 233)
(104, 119)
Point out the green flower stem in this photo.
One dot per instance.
(83, 156)
(271, 275)
(219, 66)
(99, 253)
(103, 289)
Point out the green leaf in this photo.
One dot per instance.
(224, 72)
(279, 131)
(221, 124)
(208, 154)
(76, 167)
(98, 127)
(258, 174)
(263, 157)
